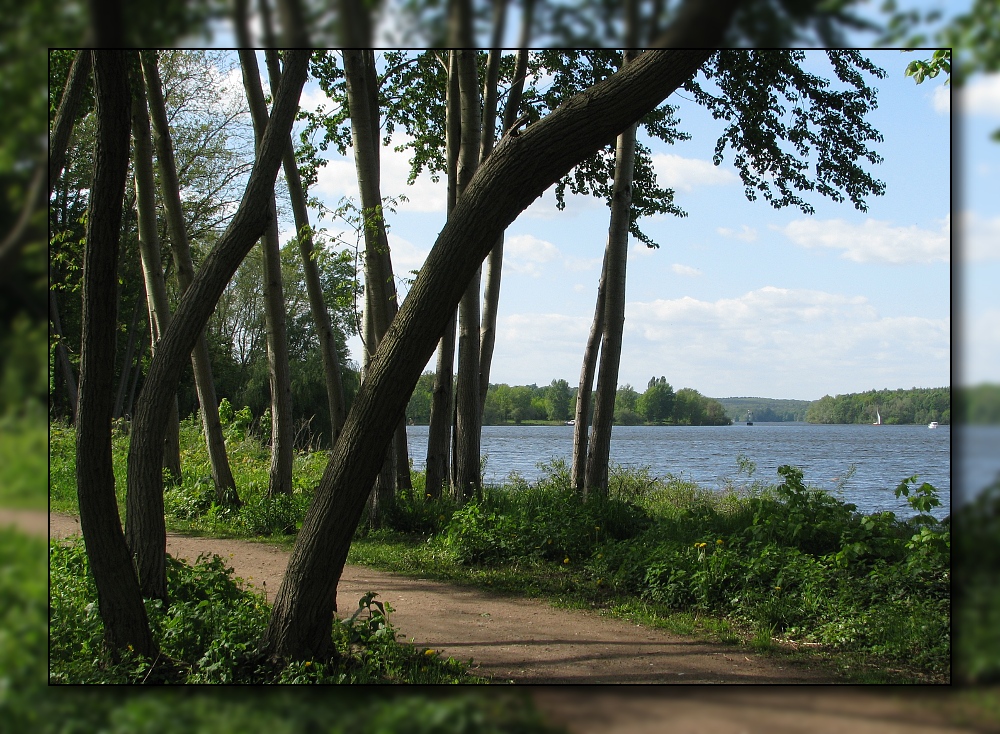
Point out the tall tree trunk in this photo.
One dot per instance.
(126, 374)
(599, 452)
(62, 355)
(149, 250)
(62, 125)
(321, 318)
(468, 480)
(222, 474)
(583, 395)
(494, 263)
(136, 374)
(144, 499)
(510, 179)
(380, 291)
(280, 481)
(442, 404)
(118, 597)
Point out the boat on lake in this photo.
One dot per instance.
(932, 424)
(878, 420)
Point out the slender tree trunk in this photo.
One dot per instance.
(62, 126)
(301, 619)
(442, 402)
(321, 317)
(274, 309)
(599, 452)
(380, 291)
(144, 499)
(467, 468)
(136, 374)
(583, 396)
(152, 268)
(222, 474)
(118, 597)
(62, 355)
(494, 263)
(126, 374)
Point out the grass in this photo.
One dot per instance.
(22, 462)
(782, 568)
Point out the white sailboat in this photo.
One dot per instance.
(878, 421)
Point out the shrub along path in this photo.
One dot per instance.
(508, 639)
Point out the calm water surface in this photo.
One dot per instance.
(882, 455)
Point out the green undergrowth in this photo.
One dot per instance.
(210, 631)
(781, 567)
(22, 461)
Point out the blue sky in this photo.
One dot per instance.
(742, 299)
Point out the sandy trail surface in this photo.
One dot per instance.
(528, 641)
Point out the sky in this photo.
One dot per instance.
(741, 299)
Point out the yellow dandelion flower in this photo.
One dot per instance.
(428, 652)
(566, 560)
(308, 663)
(719, 541)
(597, 527)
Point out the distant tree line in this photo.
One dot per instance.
(979, 404)
(766, 410)
(917, 405)
(516, 404)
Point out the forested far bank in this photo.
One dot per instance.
(524, 404)
(889, 407)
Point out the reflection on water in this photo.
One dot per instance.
(881, 455)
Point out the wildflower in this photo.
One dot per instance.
(719, 541)
(597, 527)
(308, 663)
(428, 652)
(428, 495)
(566, 559)
(777, 588)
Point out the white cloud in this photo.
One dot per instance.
(406, 256)
(874, 240)
(685, 270)
(981, 347)
(980, 238)
(746, 233)
(339, 178)
(981, 96)
(526, 254)
(941, 99)
(313, 98)
(684, 174)
(536, 347)
(783, 342)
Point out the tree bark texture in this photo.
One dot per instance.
(280, 478)
(118, 597)
(468, 480)
(152, 266)
(222, 474)
(442, 399)
(62, 126)
(599, 451)
(515, 175)
(321, 317)
(145, 480)
(581, 421)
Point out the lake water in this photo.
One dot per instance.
(882, 455)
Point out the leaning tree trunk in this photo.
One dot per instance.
(467, 470)
(152, 268)
(599, 452)
(321, 317)
(442, 407)
(118, 597)
(515, 175)
(144, 499)
(280, 481)
(583, 395)
(222, 475)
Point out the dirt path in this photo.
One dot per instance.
(529, 642)
(520, 640)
